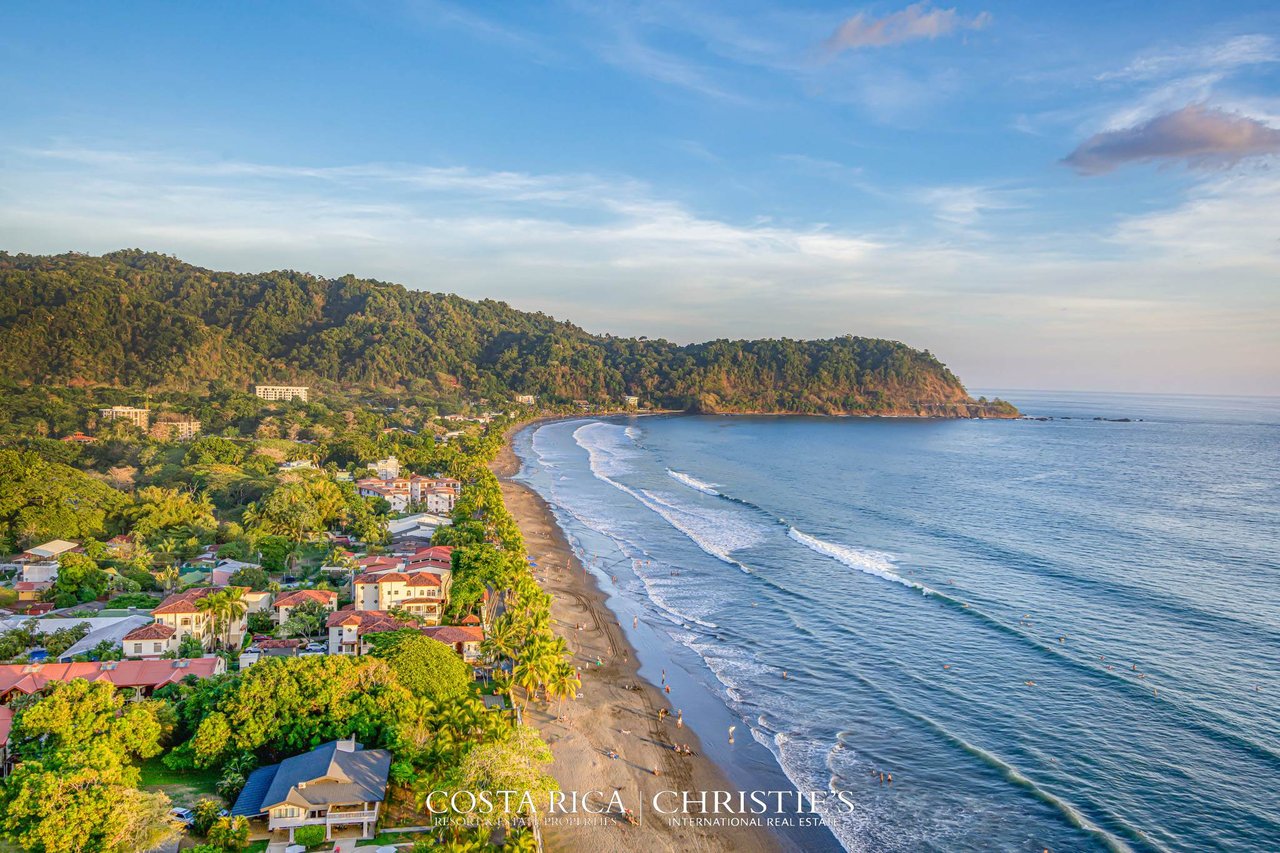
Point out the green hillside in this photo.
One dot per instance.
(148, 321)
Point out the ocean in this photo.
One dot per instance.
(1059, 634)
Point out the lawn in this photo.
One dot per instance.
(184, 787)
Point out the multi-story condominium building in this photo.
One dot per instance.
(420, 593)
(178, 616)
(141, 418)
(282, 392)
(526, 399)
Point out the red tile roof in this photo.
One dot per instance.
(424, 579)
(154, 631)
(31, 678)
(455, 633)
(185, 602)
(319, 596)
(386, 577)
(379, 562)
(366, 621)
(6, 723)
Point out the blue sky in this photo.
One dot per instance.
(1046, 195)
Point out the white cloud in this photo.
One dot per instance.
(1237, 52)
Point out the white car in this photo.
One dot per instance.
(317, 647)
(182, 816)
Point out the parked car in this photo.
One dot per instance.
(317, 647)
(183, 816)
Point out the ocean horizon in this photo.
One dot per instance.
(1054, 633)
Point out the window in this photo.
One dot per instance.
(155, 647)
(137, 648)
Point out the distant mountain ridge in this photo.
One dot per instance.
(140, 319)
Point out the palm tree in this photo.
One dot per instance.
(168, 577)
(167, 550)
(525, 674)
(501, 643)
(564, 684)
(211, 606)
(233, 607)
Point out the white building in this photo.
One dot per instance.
(386, 469)
(141, 418)
(282, 392)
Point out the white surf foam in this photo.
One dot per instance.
(693, 483)
(716, 532)
(875, 563)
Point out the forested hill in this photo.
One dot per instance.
(138, 319)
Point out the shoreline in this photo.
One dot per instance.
(609, 716)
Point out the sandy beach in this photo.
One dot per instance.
(609, 717)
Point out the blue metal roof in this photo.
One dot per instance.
(249, 803)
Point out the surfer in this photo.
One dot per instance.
(731, 728)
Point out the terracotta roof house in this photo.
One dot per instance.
(146, 675)
(326, 598)
(181, 613)
(464, 639)
(349, 629)
(337, 784)
(421, 593)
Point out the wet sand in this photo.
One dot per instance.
(610, 717)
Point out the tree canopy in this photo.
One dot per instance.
(427, 667)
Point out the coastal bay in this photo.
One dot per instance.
(951, 604)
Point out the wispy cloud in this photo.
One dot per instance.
(1236, 52)
(917, 21)
(1196, 135)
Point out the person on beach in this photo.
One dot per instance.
(635, 621)
(679, 719)
(662, 714)
(668, 689)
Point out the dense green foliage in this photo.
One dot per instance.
(42, 500)
(139, 319)
(75, 788)
(427, 667)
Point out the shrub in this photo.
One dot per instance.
(309, 836)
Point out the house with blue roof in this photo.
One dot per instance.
(337, 784)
